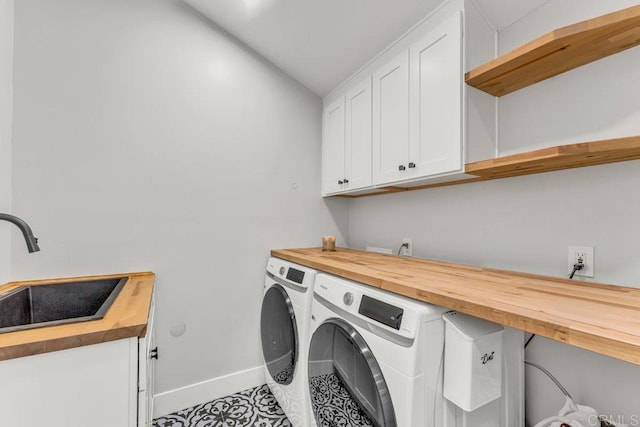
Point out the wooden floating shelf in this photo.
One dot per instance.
(558, 51)
(539, 161)
(558, 158)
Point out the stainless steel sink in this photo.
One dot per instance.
(36, 306)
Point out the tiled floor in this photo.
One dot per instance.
(253, 407)
(332, 406)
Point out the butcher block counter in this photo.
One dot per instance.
(597, 317)
(126, 318)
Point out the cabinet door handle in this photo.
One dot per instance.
(340, 182)
(154, 353)
(412, 165)
(401, 168)
(346, 181)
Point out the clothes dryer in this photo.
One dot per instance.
(284, 328)
(375, 358)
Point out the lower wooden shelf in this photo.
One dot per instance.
(558, 158)
(538, 161)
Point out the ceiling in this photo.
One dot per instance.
(322, 42)
(502, 13)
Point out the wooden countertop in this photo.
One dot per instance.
(597, 317)
(126, 318)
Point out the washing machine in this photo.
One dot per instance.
(375, 358)
(284, 329)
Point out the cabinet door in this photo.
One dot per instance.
(146, 372)
(92, 386)
(358, 137)
(333, 149)
(391, 120)
(436, 100)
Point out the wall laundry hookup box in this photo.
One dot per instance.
(472, 360)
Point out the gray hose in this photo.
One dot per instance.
(547, 373)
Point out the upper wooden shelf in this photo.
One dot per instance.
(558, 51)
(557, 158)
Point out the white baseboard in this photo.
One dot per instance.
(205, 391)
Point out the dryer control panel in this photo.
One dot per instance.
(393, 313)
(295, 275)
(381, 311)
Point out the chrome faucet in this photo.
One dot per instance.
(32, 242)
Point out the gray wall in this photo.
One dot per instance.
(147, 139)
(526, 223)
(6, 63)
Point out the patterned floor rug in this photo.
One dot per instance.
(253, 407)
(332, 404)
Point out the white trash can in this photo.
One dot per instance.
(472, 360)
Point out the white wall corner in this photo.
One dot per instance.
(206, 391)
(6, 122)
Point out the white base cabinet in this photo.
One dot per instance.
(96, 385)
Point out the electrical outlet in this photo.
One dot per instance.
(407, 250)
(586, 253)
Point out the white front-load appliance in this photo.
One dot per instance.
(284, 330)
(375, 358)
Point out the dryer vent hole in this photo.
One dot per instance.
(333, 405)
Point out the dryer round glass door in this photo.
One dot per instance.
(279, 334)
(345, 381)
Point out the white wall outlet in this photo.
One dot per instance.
(407, 250)
(586, 254)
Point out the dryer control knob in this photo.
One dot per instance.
(282, 269)
(348, 298)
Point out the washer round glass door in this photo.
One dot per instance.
(279, 334)
(346, 384)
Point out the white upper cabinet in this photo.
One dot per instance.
(333, 147)
(358, 137)
(346, 141)
(436, 101)
(391, 120)
(417, 104)
(410, 107)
